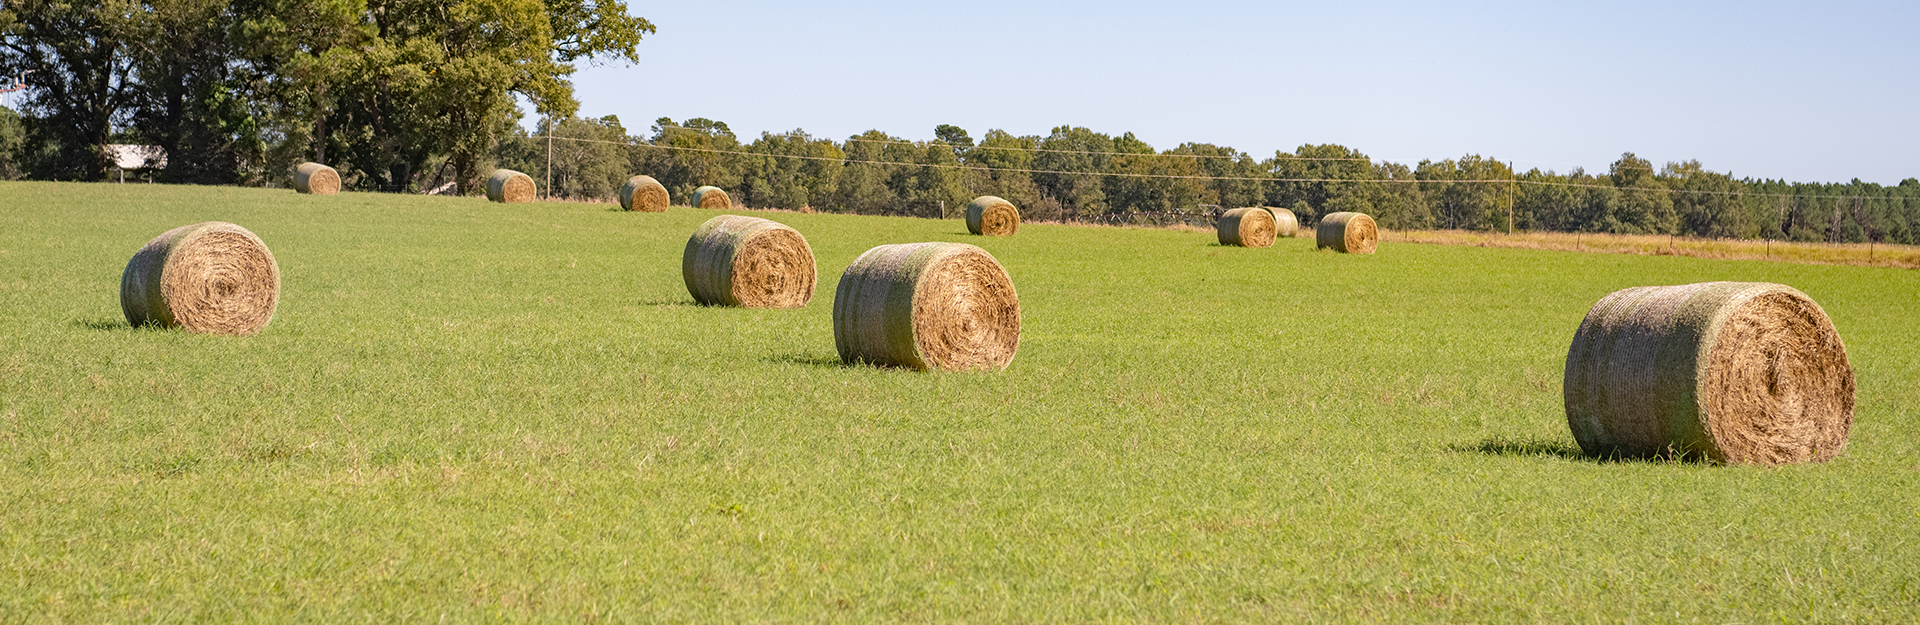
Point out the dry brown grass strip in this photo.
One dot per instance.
(1861, 254)
(1352, 233)
(945, 306)
(750, 262)
(316, 179)
(711, 197)
(511, 187)
(1734, 372)
(992, 216)
(644, 194)
(1246, 227)
(210, 278)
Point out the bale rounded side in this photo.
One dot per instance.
(1246, 227)
(1734, 372)
(316, 179)
(992, 216)
(511, 187)
(210, 278)
(1285, 223)
(1352, 233)
(644, 194)
(945, 306)
(711, 197)
(750, 262)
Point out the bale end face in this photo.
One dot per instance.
(992, 216)
(749, 262)
(644, 194)
(943, 306)
(711, 197)
(511, 187)
(1351, 233)
(209, 278)
(316, 179)
(1740, 373)
(1246, 227)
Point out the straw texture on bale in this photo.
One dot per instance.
(747, 261)
(644, 194)
(1285, 224)
(1246, 227)
(316, 179)
(1734, 372)
(992, 216)
(945, 306)
(210, 278)
(711, 197)
(1352, 233)
(511, 187)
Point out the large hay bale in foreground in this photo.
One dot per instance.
(511, 187)
(747, 261)
(1285, 223)
(1735, 372)
(644, 194)
(1246, 227)
(210, 278)
(947, 306)
(992, 216)
(316, 179)
(1352, 233)
(711, 197)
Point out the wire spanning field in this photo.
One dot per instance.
(484, 410)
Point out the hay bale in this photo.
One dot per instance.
(946, 306)
(1735, 372)
(210, 278)
(1285, 224)
(711, 197)
(992, 216)
(511, 187)
(1352, 233)
(747, 261)
(644, 194)
(316, 179)
(1246, 227)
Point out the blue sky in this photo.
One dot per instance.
(1808, 92)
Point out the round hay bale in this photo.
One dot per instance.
(644, 194)
(1734, 372)
(946, 306)
(511, 187)
(711, 197)
(992, 216)
(316, 179)
(747, 261)
(1285, 224)
(1246, 227)
(1352, 233)
(210, 278)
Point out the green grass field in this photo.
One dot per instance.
(471, 410)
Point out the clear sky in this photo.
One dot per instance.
(1809, 91)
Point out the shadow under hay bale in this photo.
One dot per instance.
(945, 306)
(1733, 372)
(1246, 227)
(750, 262)
(210, 278)
(644, 194)
(992, 216)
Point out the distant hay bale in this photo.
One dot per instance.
(992, 216)
(511, 187)
(644, 194)
(316, 179)
(1353, 233)
(210, 278)
(1246, 227)
(747, 261)
(1285, 224)
(711, 197)
(1735, 372)
(946, 306)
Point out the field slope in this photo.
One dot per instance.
(472, 410)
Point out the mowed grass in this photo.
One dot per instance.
(471, 410)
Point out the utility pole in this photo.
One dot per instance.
(549, 187)
(1510, 183)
